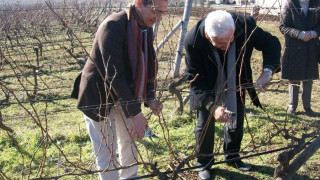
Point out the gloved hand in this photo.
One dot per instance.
(264, 80)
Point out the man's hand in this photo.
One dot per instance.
(156, 107)
(263, 81)
(307, 37)
(220, 115)
(139, 123)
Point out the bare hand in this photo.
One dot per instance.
(307, 37)
(156, 107)
(220, 115)
(139, 123)
(263, 81)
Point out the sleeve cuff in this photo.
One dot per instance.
(131, 110)
(302, 34)
(209, 104)
(137, 115)
(267, 70)
(314, 34)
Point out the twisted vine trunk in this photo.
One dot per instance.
(301, 159)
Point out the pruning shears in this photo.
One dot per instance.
(149, 133)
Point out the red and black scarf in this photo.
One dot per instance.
(135, 51)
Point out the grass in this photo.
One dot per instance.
(33, 152)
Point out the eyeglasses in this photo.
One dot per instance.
(157, 11)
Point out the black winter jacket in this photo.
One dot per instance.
(200, 59)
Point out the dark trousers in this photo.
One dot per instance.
(204, 132)
(294, 87)
(233, 135)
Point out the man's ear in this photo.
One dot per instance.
(206, 35)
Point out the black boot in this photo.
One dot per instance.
(240, 165)
(309, 112)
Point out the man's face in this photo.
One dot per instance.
(222, 43)
(153, 12)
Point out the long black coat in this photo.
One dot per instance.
(300, 59)
(200, 59)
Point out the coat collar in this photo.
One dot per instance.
(200, 40)
(312, 4)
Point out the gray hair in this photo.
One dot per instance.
(218, 24)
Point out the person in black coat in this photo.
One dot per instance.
(300, 25)
(218, 52)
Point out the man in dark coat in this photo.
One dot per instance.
(300, 24)
(218, 52)
(117, 78)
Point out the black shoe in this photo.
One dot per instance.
(309, 112)
(240, 165)
(205, 174)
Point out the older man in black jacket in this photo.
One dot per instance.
(218, 52)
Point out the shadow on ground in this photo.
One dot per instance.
(264, 171)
